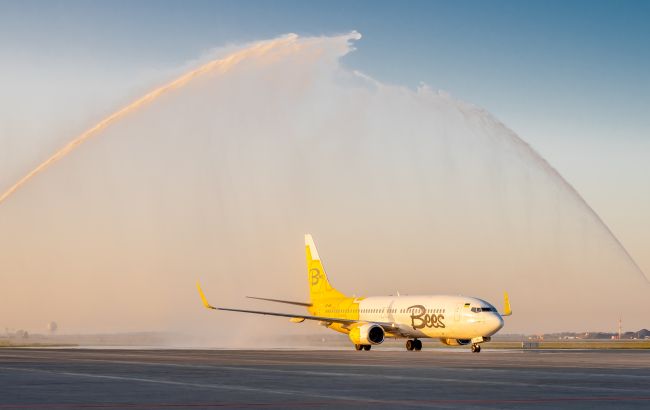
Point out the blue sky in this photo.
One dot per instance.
(527, 62)
(571, 77)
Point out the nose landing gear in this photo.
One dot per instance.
(476, 347)
(361, 347)
(414, 344)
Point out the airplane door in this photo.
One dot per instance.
(457, 314)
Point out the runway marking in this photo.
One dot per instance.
(338, 364)
(328, 374)
(328, 402)
(228, 405)
(333, 399)
(254, 360)
(279, 362)
(337, 398)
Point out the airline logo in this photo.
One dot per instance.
(420, 319)
(315, 276)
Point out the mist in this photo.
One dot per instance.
(403, 190)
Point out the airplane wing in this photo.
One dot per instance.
(391, 327)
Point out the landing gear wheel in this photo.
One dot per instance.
(476, 348)
(358, 347)
(366, 347)
(410, 345)
(417, 345)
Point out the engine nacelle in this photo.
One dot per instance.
(455, 342)
(367, 334)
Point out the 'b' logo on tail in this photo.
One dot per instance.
(315, 276)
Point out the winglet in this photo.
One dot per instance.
(203, 298)
(507, 310)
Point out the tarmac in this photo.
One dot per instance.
(341, 379)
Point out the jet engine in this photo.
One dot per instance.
(455, 342)
(367, 334)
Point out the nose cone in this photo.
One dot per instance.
(494, 323)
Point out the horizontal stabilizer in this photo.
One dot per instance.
(288, 302)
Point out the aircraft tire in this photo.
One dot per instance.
(476, 348)
(417, 345)
(366, 347)
(358, 347)
(409, 345)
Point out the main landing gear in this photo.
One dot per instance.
(476, 348)
(362, 347)
(414, 344)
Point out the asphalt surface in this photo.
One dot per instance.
(386, 379)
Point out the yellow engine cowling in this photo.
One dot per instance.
(367, 334)
(455, 342)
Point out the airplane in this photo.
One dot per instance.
(455, 320)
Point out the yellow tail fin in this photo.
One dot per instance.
(320, 289)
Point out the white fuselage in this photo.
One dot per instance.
(436, 316)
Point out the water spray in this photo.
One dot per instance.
(221, 64)
(227, 63)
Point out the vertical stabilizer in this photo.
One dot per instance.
(320, 289)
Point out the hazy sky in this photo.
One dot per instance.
(572, 78)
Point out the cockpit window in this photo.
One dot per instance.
(483, 309)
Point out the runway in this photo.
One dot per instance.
(496, 379)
